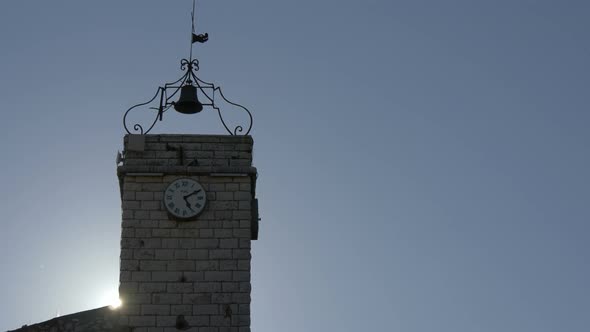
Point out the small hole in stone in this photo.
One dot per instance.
(142, 243)
(227, 311)
(183, 279)
(181, 323)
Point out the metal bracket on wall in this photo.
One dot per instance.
(178, 148)
(255, 220)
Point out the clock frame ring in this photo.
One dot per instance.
(184, 199)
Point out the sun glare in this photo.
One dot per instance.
(115, 303)
(111, 299)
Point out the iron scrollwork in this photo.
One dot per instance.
(170, 90)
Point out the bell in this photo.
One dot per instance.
(188, 103)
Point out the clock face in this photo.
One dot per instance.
(184, 198)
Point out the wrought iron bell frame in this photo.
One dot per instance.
(170, 90)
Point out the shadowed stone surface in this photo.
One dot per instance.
(187, 274)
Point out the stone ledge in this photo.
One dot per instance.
(185, 170)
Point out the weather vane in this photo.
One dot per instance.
(190, 87)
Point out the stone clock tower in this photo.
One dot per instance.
(189, 216)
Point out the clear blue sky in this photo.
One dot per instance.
(424, 165)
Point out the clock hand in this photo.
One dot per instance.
(188, 205)
(193, 193)
(189, 195)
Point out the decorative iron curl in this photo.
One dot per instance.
(188, 78)
(137, 128)
(238, 128)
(192, 65)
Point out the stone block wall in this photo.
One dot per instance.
(187, 275)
